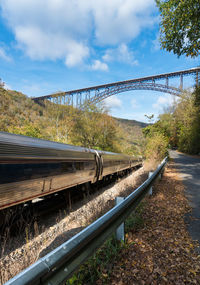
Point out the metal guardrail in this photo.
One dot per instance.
(57, 266)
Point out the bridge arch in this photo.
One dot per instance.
(98, 93)
(100, 96)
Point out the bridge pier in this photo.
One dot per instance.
(167, 82)
(181, 82)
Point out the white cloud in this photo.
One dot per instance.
(121, 54)
(31, 89)
(3, 55)
(39, 45)
(98, 65)
(163, 102)
(60, 29)
(134, 104)
(113, 102)
(76, 54)
(156, 43)
(50, 29)
(119, 21)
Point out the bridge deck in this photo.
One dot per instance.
(142, 79)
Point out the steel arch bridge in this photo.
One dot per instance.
(129, 87)
(96, 94)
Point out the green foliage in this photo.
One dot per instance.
(157, 140)
(94, 128)
(135, 220)
(90, 127)
(156, 147)
(180, 125)
(99, 263)
(187, 117)
(197, 97)
(130, 136)
(180, 26)
(165, 126)
(26, 130)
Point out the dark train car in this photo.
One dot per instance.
(114, 162)
(31, 168)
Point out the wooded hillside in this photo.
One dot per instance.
(178, 127)
(91, 127)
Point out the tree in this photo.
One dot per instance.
(180, 125)
(188, 124)
(156, 147)
(180, 26)
(60, 122)
(94, 128)
(150, 118)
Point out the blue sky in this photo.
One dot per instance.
(58, 45)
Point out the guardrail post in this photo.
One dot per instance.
(120, 229)
(150, 192)
(160, 175)
(162, 172)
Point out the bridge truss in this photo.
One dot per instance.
(96, 94)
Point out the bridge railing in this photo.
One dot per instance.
(57, 266)
(165, 76)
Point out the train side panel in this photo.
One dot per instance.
(31, 168)
(31, 180)
(113, 163)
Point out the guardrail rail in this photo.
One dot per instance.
(57, 266)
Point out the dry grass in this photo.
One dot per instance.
(150, 165)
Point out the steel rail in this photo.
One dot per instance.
(57, 266)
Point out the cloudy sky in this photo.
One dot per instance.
(58, 45)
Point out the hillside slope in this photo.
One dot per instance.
(21, 115)
(131, 123)
(134, 138)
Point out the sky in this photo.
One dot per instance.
(59, 45)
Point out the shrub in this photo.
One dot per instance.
(156, 147)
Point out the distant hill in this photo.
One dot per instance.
(132, 137)
(131, 122)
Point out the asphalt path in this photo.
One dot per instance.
(189, 169)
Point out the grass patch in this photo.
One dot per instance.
(99, 266)
(135, 220)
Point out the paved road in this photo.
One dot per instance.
(189, 169)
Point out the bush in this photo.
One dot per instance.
(156, 147)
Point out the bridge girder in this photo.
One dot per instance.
(98, 93)
(139, 86)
